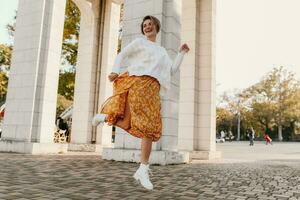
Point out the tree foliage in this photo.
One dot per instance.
(5, 56)
(274, 96)
(3, 86)
(224, 120)
(66, 85)
(270, 105)
(12, 27)
(71, 34)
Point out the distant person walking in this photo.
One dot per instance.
(230, 136)
(251, 136)
(268, 139)
(222, 135)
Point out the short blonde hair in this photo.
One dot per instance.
(154, 20)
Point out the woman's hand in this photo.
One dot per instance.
(184, 48)
(112, 76)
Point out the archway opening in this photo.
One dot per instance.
(67, 72)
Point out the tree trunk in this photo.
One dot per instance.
(292, 125)
(280, 132)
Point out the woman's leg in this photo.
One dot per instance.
(126, 122)
(142, 174)
(146, 147)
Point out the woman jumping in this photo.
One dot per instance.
(135, 104)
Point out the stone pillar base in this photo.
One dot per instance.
(85, 148)
(157, 157)
(205, 155)
(32, 148)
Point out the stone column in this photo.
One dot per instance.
(197, 110)
(170, 40)
(29, 121)
(85, 80)
(127, 147)
(109, 48)
(188, 113)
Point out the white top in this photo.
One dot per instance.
(144, 57)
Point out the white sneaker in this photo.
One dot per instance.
(98, 118)
(142, 176)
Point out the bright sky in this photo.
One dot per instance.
(253, 36)
(7, 13)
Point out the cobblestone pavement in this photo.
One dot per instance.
(89, 177)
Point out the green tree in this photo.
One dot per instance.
(260, 103)
(293, 114)
(66, 85)
(71, 34)
(272, 98)
(235, 103)
(3, 86)
(264, 113)
(5, 62)
(5, 56)
(285, 87)
(69, 54)
(224, 120)
(12, 27)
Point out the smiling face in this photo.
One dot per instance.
(149, 28)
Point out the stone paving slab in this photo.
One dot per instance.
(89, 177)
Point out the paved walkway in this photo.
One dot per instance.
(238, 176)
(260, 151)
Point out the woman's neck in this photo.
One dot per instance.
(152, 38)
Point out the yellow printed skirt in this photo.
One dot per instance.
(141, 95)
